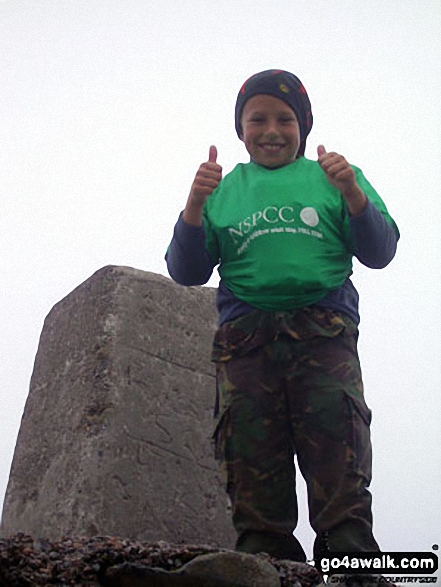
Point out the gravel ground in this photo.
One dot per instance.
(28, 562)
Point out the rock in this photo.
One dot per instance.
(116, 433)
(137, 575)
(222, 569)
(235, 568)
(115, 562)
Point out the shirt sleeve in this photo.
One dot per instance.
(374, 238)
(188, 261)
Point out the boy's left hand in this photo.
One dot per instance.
(341, 175)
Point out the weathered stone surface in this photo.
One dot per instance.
(116, 562)
(235, 568)
(222, 569)
(115, 436)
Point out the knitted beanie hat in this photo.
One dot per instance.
(285, 86)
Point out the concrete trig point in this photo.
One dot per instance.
(115, 437)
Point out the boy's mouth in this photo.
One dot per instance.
(271, 147)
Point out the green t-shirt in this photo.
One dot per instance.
(282, 236)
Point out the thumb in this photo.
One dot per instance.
(212, 154)
(321, 150)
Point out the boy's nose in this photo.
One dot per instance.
(272, 129)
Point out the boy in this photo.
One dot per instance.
(283, 230)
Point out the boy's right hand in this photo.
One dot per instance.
(207, 179)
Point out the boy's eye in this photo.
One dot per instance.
(281, 120)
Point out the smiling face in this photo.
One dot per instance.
(270, 131)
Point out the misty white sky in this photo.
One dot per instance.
(107, 109)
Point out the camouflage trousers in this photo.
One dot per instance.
(290, 384)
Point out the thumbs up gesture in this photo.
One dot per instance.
(207, 178)
(205, 182)
(342, 176)
(338, 171)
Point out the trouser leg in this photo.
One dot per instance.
(332, 440)
(253, 438)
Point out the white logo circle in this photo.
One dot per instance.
(309, 216)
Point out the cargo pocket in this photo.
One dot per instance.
(359, 440)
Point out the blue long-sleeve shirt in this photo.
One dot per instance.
(188, 262)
